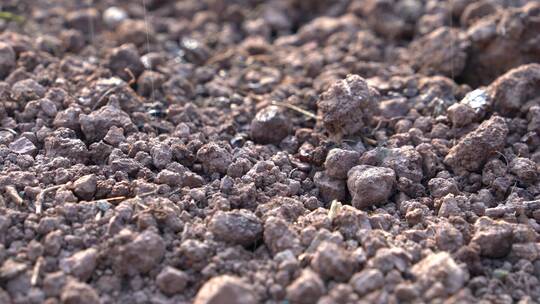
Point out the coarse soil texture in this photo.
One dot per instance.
(280, 151)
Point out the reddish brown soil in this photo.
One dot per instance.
(281, 151)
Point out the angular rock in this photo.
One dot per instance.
(22, 146)
(214, 158)
(473, 150)
(96, 124)
(493, 237)
(125, 57)
(27, 90)
(428, 57)
(278, 236)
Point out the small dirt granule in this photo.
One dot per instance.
(460, 115)
(440, 267)
(171, 280)
(141, 255)
(7, 59)
(96, 125)
(333, 262)
(472, 151)
(347, 106)
(428, 57)
(225, 289)
(81, 264)
(440, 187)
(370, 185)
(22, 146)
(513, 89)
(81, 19)
(367, 280)
(214, 158)
(77, 293)
(161, 155)
(27, 90)
(330, 188)
(306, 289)
(270, 126)
(85, 187)
(339, 162)
(525, 169)
(493, 237)
(240, 227)
(278, 236)
(125, 57)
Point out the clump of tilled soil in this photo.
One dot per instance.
(283, 151)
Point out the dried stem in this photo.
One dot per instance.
(36, 271)
(14, 195)
(41, 197)
(295, 108)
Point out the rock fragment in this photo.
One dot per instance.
(7, 59)
(278, 236)
(473, 150)
(333, 262)
(428, 57)
(512, 90)
(76, 293)
(239, 227)
(85, 187)
(140, 255)
(370, 185)
(347, 106)
(270, 126)
(493, 237)
(339, 162)
(22, 146)
(96, 124)
(125, 57)
(214, 158)
(27, 90)
(440, 267)
(329, 188)
(171, 280)
(81, 264)
(225, 289)
(306, 289)
(367, 281)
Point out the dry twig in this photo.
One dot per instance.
(294, 108)
(41, 197)
(14, 195)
